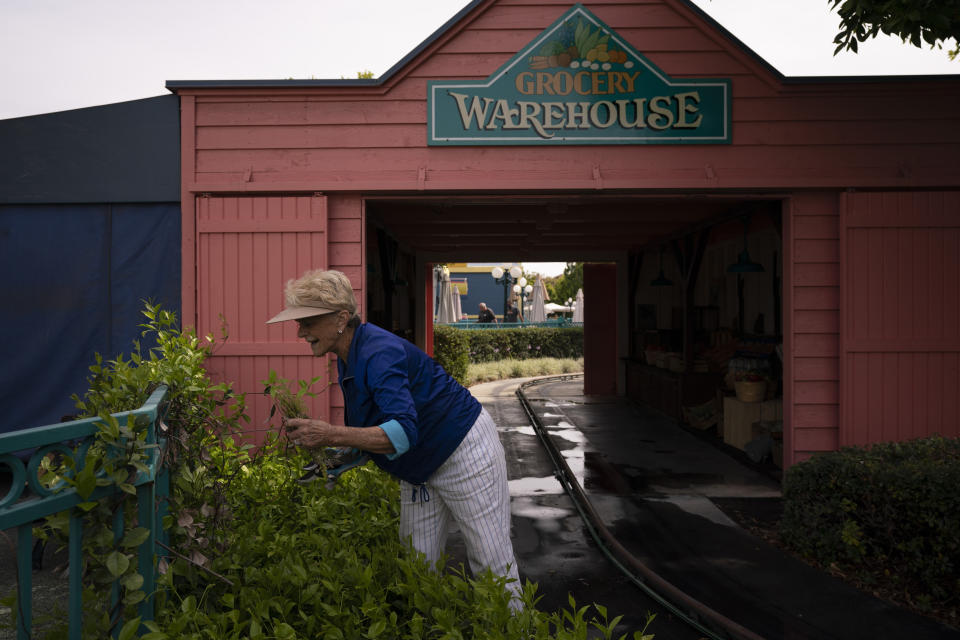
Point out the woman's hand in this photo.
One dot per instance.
(308, 433)
(311, 434)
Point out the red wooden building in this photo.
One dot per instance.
(848, 187)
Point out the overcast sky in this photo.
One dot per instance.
(68, 54)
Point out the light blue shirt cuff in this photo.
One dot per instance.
(398, 438)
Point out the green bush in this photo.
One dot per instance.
(524, 343)
(254, 554)
(310, 562)
(200, 418)
(892, 505)
(451, 350)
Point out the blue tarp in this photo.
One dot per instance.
(74, 281)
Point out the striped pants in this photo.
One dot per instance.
(469, 490)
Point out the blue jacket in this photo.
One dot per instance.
(390, 383)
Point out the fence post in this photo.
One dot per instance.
(25, 579)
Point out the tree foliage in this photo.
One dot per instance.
(914, 21)
(566, 286)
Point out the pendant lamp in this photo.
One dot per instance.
(661, 280)
(744, 264)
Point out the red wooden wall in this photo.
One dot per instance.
(811, 329)
(600, 363)
(247, 248)
(900, 345)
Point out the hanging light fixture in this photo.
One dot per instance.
(744, 264)
(661, 280)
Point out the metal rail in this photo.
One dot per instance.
(29, 501)
(692, 611)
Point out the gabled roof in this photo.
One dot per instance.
(452, 24)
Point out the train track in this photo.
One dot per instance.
(697, 615)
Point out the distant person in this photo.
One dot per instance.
(512, 314)
(485, 315)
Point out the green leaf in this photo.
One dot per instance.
(86, 480)
(591, 40)
(132, 581)
(117, 563)
(284, 631)
(139, 466)
(376, 628)
(133, 597)
(579, 36)
(189, 604)
(130, 628)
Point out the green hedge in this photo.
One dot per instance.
(454, 348)
(893, 508)
(523, 344)
(451, 349)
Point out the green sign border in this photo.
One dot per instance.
(435, 87)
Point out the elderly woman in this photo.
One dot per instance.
(415, 422)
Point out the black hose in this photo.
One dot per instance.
(660, 590)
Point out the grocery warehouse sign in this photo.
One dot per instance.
(578, 82)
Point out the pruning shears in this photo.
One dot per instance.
(339, 460)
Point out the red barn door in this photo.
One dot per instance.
(247, 248)
(900, 335)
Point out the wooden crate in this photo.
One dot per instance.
(738, 418)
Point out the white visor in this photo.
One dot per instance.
(296, 313)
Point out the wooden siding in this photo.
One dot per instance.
(374, 138)
(347, 254)
(600, 330)
(901, 326)
(247, 248)
(811, 325)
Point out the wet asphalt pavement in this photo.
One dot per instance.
(658, 489)
(551, 542)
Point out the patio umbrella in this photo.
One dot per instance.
(457, 308)
(578, 307)
(538, 298)
(446, 311)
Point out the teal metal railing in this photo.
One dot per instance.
(28, 502)
(559, 323)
